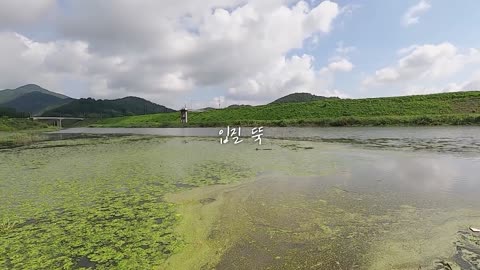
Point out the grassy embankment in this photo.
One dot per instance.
(459, 108)
(21, 131)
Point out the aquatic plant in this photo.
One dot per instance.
(101, 202)
(97, 202)
(7, 225)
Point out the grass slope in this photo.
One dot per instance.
(458, 108)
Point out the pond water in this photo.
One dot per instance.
(443, 139)
(295, 202)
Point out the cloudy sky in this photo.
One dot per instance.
(211, 52)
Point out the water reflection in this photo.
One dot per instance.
(413, 173)
(439, 139)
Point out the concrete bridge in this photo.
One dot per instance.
(57, 121)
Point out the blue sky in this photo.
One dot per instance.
(375, 29)
(205, 53)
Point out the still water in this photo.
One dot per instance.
(370, 198)
(444, 139)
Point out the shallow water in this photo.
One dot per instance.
(462, 139)
(191, 203)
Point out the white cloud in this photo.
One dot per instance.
(22, 59)
(294, 74)
(471, 84)
(341, 65)
(424, 63)
(20, 12)
(289, 75)
(50, 63)
(342, 50)
(173, 47)
(412, 16)
(340, 61)
(284, 76)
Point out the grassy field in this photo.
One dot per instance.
(19, 124)
(458, 108)
(21, 131)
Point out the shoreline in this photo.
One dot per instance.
(347, 121)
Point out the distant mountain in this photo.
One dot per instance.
(36, 102)
(100, 108)
(11, 94)
(300, 97)
(204, 109)
(238, 106)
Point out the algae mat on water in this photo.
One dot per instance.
(98, 202)
(102, 203)
(302, 223)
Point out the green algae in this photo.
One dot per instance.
(118, 230)
(217, 172)
(95, 203)
(143, 202)
(98, 202)
(259, 225)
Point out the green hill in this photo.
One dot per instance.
(35, 102)
(31, 99)
(446, 108)
(101, 108)
(205, 109)
(11, 94)
(299, 97)
(233, 106)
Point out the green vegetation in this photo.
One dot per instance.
(300, 97)
(92, 108)
(75, 204)
(18, 124)
(15, 139)
(10, 112)
(16, 132)
(459, 108)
